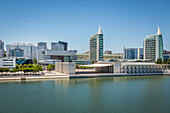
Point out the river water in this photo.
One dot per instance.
(133, 94)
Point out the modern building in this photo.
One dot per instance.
(50, 56)
(166, 55)
(153, 46)
(1, 49)
(21, 50)
(56, 46)
(108, 52)
(128, 67)
(133, 53)
(42, 45)
(7, 63)
(96, 46)
(65, 45)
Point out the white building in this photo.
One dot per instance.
(21, 50)
(7, 63)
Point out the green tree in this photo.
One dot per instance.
(35, 61)
(164, 61)
(159, 61)
(53, 66)
(49, 67)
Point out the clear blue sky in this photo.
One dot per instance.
(124, 22)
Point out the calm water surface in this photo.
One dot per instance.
(147, 94)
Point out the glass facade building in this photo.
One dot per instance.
(96, 46)
(153, 46)
(1, 49)
(133, 53)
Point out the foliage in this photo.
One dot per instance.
(4, 69)
(35, 61)
(49, 67)
(53, 66)
(159, 61)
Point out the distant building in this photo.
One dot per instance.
(50, 56)
(96, 46)
(42, 45)
(108, 52)
(21, 50)
(1, 49)
(56, 46)
(166, 55)
(133, 53)
(65, 45)
(153, 46)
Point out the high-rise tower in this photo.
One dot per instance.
(153, 46)
(96, 46)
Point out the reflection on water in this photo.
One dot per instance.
(133, 94)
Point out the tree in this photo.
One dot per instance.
(34, 61)
(49, 67)
(159, 61)
(53, 66)
(164, 61)
(168, 62)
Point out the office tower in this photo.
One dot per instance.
(1, 49)
(65, 44)
(153, 46)
(56, 46)
(96, 46)
(42, 45)
(133, 53)
(21, 50)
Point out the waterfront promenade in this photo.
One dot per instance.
(55, 75)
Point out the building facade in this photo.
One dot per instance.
(1, 49)
(42, 45)
(96, 46)
(133, 53)
(21, 50)
(65, 44)
(108, 52)
(153, 46)
(7, 63)
(56, 46)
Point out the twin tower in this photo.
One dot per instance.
(153, 46)
(96, 46)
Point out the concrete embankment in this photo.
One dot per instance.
(114, 75)
(31, 77)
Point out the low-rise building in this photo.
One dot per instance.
(7, 63)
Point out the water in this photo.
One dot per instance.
(147, 94)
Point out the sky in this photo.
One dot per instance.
(124, 22)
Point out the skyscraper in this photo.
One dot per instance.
(96, 46)
(42, 45)
(153, 46)
(1, 49)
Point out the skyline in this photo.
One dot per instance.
(124, 23)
